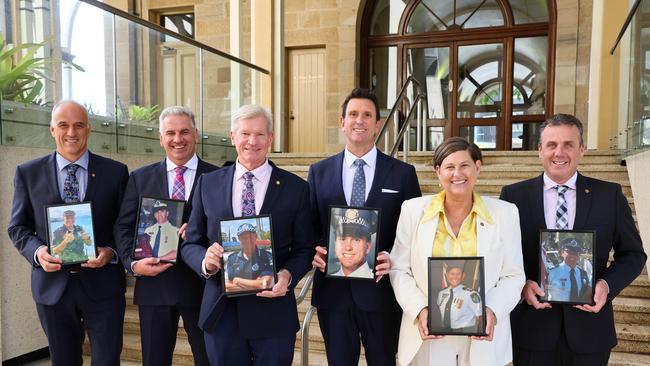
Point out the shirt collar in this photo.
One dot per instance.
(437, 206)
(192, 164)
(370, 158)
(550, 184)
(62, 162)
(261, 172)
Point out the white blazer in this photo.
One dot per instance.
(499, 244)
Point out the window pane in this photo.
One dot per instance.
(182, 24)
(529, 88)
(488, 14)
(424, 20)
(529, 11)
(430, 67)
(525, 136)
(386, 16)
(480, 81)
(383, 76)
(484, 137)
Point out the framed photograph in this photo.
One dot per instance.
(249, 257)
(457, 296)
(156, 230)
(566, 267)
(352, 244)
(70, 231)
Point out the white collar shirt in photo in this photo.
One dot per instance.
(347, 174)
(188, 176)
(262, 176)
(551, 197)
(363, 271)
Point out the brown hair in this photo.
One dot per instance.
(452, 145)
(361, 93)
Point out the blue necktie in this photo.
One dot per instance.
(562, 212)
(358, 197)
(248, 196)
(71, 185)
(156, 243)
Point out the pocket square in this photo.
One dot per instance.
(386, 190)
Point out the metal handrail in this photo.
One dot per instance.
(304, 329)
(405, 127)
(400, 98)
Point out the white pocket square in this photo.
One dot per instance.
(386, 190)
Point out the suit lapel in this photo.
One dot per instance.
(94, 177)
(229, 176)
(381, 170)
(273, 190)
(52, 176)
(537, 202)
(161, 176)
(583, 202)
(336, 179)
(200, 169)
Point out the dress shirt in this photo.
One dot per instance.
(260, 183)
(551, 197)
(188, 176)
(82, 173)
(349, 169)
(363, 271)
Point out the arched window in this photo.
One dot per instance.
(486, 65)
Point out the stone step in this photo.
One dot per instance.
(132, 351)
(632, 310)
(639, 288)
(320, 359)
(633, 338)
(628, 359)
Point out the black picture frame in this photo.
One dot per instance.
(555, 248)
(80, 245)
(146, 230)
(363, 221)
(467, 313)
(236, 273)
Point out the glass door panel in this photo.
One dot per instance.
(480, 81)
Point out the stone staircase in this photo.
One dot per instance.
(632, 306)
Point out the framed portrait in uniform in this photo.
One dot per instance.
(249, 258)
(456, 296)
(566, 266)
(352, 242)
(156, 229)
(71, 237)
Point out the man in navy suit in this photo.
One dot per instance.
(562, 198)
(256, 329)
(72, 299)
(165, 292)
(353, 310)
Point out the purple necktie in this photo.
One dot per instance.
(71, 185)
(248, 196)
(178, 191)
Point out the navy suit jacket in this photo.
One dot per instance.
(35, 187)
(176, 285)
(600, 206)
(326, 188)
(287, 201)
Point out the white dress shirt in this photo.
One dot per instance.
(260, 183)
(551, 198)
(349, 169)
(188, 176)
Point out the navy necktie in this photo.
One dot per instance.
(358, 197)
(574, 285)
(447, 317)
(71, 185)
(156, 243)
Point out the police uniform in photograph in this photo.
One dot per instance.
(356, 224)
(163, 237)
(237, 265)
(459, 308)
(560, 283)
(75, 250)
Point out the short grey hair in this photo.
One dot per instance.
(60, 103)
(562, 119)
(251, 111)
(175, 110)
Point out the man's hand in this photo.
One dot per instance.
(181, 231)
(382, 266)
(600, 299)
(49, 263)
(423, 325)
(530, 292)
(67, 238)
(150, 267)
(105, 256)
(320, 258)
(280, 288)
(213, 258)
(489, 327)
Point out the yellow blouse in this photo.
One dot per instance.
(445, 243)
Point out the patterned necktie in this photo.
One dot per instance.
(447, 319)
(574, 285)
(178, 191)
(358, 197)
(248, 196)
(156, 243)
(71, 185)
(561, 214)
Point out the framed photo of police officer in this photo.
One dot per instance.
(156, 229)
(352, 242)
(249, 256)
(566, 266)
(71, 237)
(456, 296)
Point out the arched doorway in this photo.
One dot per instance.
(486, 65)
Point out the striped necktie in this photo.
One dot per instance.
(562, 212)
(178, 191)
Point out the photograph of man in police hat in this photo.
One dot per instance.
(251, 267)
(567, 281)
(352, 246)
(163, 235)
(70, 240)
(460, 306)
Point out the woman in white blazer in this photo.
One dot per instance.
(457, 222)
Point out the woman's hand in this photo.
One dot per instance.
(489, 327)
(423, 326)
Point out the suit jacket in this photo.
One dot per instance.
(498, 243)
(177, 285)
(35, 187)
(326, 188)
(287, 201)
(600, 206)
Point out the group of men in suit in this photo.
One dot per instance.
(260, 329)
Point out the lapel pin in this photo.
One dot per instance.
(586, 190)
(277, 182)
(92, 175)
(482, 224)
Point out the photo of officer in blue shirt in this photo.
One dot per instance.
(567, 281)
(250, 268)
